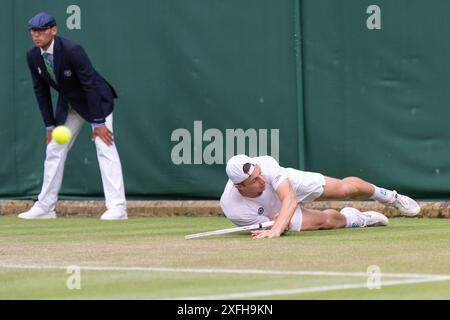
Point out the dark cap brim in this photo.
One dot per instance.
(42, 28)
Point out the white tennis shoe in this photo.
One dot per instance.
(375, 219)
(114, 214)
(37, 213)
(405, 205)
(367, 218)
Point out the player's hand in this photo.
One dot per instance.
(49, 135)
(272, 233)
(103, 133)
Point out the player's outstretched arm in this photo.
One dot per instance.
(288, 205)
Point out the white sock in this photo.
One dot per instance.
(353, 220)
(382, 195)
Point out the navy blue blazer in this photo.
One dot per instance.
(77, 83)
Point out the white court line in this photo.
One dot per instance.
(232, 271)
(242, 295)
(411, 278)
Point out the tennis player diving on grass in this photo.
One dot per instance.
(259, 190)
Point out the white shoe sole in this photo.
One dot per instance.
(113, 218)
(409, 214)
(42, 216)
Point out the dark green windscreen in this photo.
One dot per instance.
(199, 80)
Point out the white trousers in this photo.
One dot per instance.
(108, 159)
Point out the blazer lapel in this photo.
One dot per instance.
(57, 57)
(42, 69)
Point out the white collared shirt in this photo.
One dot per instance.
(50, 49)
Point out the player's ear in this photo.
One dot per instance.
(238, 186)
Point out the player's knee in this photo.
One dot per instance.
(349, 186)
(345, 190)
(328, 219)
(352, 180)
(325, 224)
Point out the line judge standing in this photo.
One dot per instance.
(84, 96)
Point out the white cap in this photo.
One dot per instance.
(235, 168)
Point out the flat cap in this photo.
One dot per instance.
(41, 21)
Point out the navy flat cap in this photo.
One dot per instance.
(41, 21)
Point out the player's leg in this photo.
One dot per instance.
(350, 187)
(357, 189)
(56, 155)
(321, 220)
(346, 218)
(112, 178)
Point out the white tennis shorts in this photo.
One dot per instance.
(307, 186)
(296, 220)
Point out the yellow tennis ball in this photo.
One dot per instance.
(61, 134)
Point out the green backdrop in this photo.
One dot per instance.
(304, 80)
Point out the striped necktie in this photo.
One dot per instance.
(48, 60)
